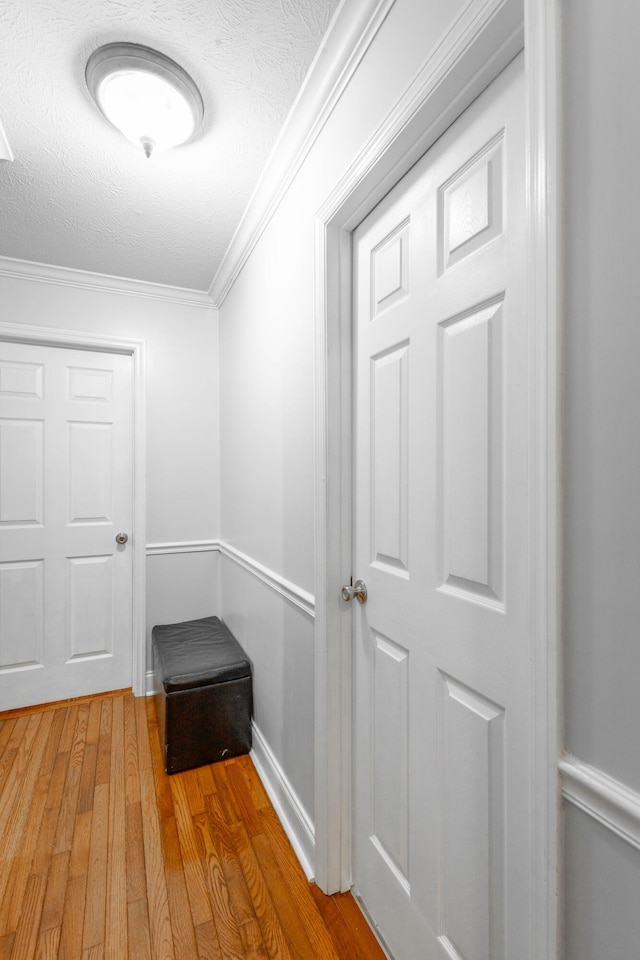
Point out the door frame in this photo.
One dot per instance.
(76, 340)
(477, 47)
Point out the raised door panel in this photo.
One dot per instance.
(471, 816)
(470, 205)
(390, 454)
(89, 384)
(21, 615)
(21, 472)
(21, 380)
(90, 472)
(390, 769)
(470, 453)
(390, 270)
(89, 607)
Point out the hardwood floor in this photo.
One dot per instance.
(105, 857)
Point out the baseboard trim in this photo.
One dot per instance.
(292, 814)
(606, 800)
(290, 591)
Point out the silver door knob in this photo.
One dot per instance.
(358, 590)
(121, 537)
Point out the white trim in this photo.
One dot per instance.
(542, 92)
(477, 46)
(610, 802)
(285, 588)
(374, 930)
(300, 598)
(333, 527)
(49, 336)
(344, 45)
(101, 282)
(294, 817)
(182, 546)
(150, 685)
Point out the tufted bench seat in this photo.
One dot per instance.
(204, 700)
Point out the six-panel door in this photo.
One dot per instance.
(65, 492)
(441, 648)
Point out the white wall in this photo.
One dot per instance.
(601, 450)
(182, 423)
(267, 370)
(601, 915)
(267, 399)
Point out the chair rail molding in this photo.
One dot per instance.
(182, 546)
(296, 595)
(300, 598)
(610, 802)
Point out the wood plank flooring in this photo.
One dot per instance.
(104, 857)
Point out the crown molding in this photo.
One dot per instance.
(101, 282)
(350, 35)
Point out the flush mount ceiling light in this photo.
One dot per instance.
(5, 150)
(147, 96)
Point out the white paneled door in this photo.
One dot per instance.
(441, 749)
(66, 478)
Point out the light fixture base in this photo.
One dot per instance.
(147, 145)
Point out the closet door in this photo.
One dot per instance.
(441, 740)
(66, 492)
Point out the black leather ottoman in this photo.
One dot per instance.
(205, 698)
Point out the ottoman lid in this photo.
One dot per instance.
(196, 653)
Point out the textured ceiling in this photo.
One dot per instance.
(79, 195)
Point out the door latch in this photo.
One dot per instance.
(357, 590)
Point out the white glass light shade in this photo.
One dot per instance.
(147, 96)
(5, 150)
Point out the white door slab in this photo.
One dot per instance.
(441, 740)
(66, 490)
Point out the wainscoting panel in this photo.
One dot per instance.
(276, 628)
(602, 891)
(182, 584)
(602, 863)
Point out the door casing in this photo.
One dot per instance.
(45, 336)
(469, 57)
